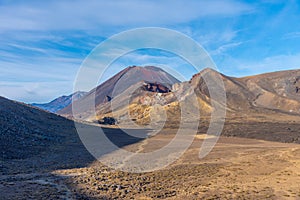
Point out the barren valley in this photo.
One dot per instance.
(237, 168)
(256, 157)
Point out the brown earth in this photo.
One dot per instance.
(237, 168)
(263, 95)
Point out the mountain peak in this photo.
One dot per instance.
(122, 81)
(209, 70)
(153, 68)
(147, 67)
(60, 102)
(206, 71)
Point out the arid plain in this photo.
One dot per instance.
(256, 157)
(236, 168)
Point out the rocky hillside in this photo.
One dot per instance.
(26, 131)
(118, 84)
(138, 91)
(60, 102)
(33, 140)
(277, 90)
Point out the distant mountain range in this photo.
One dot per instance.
(270, 97)
(265, 93)
(60, 102)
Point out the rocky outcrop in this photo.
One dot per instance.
(156, 87)
(107, 121)
(108, 98)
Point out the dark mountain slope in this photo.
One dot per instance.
(26, 131)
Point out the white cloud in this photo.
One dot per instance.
(278, 62)
(238, 67)
(292, 35)
(222, 49)
(37, 79)
(78, 15)
(34, 92)
(24, 47)
(223, 36)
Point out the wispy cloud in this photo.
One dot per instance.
(222, 49)
(223, 36)
(292, 35)
(273, 63)
(33, 91)
(78, 15)
(239, 67)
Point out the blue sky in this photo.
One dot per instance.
(44, 42)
